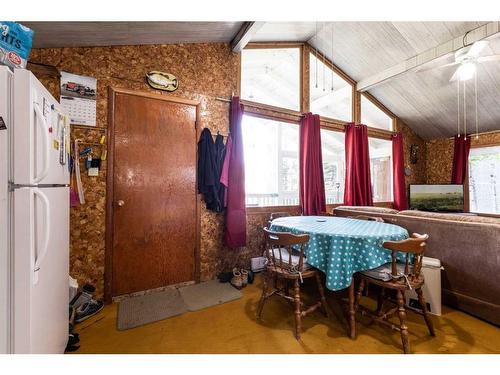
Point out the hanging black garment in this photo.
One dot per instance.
(220, 153)
(208, 178)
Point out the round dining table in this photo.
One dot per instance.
(340, 247)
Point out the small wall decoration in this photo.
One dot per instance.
(414, 154)
(162, 81)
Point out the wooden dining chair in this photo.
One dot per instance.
(368, 218)
(399, 277)
(286, 262)
(276, 215)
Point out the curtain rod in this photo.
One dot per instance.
(473, 135)
(223, 99)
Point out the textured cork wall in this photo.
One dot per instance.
(205, 71)
(417, 175)
(440, 156)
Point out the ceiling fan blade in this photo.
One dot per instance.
(489, 58)
(476, 48)
(436, 67)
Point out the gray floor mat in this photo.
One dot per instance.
(149, 308)
(206, 294)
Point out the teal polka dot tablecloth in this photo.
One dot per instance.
(340, 246)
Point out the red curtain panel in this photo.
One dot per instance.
(312, 184)
(398, 167)
(236, 232)
(460, 159)
(358, 189)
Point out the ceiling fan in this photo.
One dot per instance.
(467, 58)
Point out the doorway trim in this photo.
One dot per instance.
(108, 250)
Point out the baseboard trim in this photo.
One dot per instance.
(484, 310)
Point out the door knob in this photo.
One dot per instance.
(120, 203)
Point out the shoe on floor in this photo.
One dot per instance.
(87, 310)
(73, 339)
(237, 281)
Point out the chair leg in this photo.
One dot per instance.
(367, 288)
(352, 311)
(359, 294)
(263, 297)
(322, 295)
(402, 320)
(298, 313)
(423, 304)
(380, 301)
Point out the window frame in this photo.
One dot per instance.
(466, 183)
(391, 174)
(377, 104)
(277, 45)
(270, 112)
(343, 76)
(330, 206)
(266, 116)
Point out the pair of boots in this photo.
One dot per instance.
(240, 278)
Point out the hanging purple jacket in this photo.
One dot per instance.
(236, 235)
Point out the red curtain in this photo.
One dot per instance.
(460, 159)
(358, 189)
(236, 232)
(312, 184)
(398, 167)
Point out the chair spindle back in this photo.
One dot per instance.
(415, 245)
(281, 246)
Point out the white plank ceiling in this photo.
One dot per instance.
(426, 101)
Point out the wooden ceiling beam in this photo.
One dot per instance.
(244, 35)
(485, 31)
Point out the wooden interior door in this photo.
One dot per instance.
(153, 196)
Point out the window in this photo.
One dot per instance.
(373, 116)
(271, 151)
(271, 76)
(334, 103)
(333, 154)
(381, 169)
(484, 180)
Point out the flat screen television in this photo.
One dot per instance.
(443, 198)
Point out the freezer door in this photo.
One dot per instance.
(5, 89)
(41, 257)
(38, 134)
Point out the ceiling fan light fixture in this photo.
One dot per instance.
(466, 71)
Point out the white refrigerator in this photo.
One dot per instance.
(34, 217)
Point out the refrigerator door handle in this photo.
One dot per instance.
(41, 255)
(44, 130)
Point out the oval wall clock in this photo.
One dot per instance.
(162, 81)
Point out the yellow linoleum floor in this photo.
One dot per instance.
(232, 328)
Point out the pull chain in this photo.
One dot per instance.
(331, 57)
(465, 110)
(475, 92)
(316, 54)
(458, 107)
